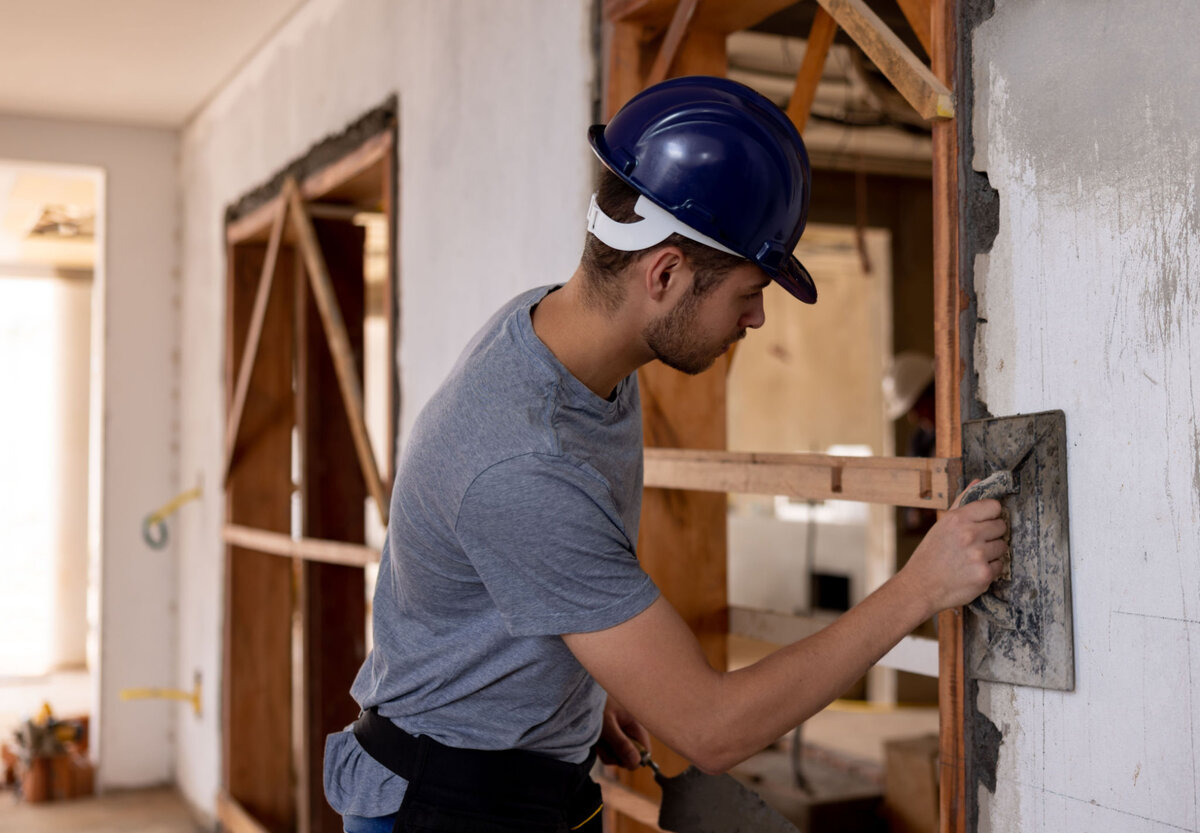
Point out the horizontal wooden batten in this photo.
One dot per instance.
(310, 549)
(914, 654)
(923, 482)
(716, 17)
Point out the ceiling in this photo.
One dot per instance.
(145, 62)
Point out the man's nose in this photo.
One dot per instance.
(756, 317)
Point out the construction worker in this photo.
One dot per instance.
(516, 635)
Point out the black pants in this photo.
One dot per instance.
(454, 790)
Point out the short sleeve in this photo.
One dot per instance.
(545, 538)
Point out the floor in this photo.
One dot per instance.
(140, 811)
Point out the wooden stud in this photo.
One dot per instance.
(920, 87)
(682, 536)
(256, 717)
(820, 38)
(676, 32)
(948, 375)
(253, 337)
(919, 17)
(923, 482)
(339, 345)
(332, 597)
(392, 294)
(309, 549)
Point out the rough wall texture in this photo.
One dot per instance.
(133, 352)
(494, 101)
(1087, 124)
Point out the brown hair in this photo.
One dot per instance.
(603, 267)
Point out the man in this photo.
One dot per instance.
(514, 630)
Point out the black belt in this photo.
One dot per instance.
(503, 786)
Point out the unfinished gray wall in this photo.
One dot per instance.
(494, 102)
(1087, 122)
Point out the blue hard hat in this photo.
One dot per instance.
(722, 160)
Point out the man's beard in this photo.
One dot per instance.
(672, 338)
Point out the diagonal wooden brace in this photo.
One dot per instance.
(339, 344)
(911, 78)
(820, 38)
(261, 299)
(676, 32)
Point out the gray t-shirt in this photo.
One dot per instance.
(514, 520)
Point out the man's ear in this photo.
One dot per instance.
(661, 273)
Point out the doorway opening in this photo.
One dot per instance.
(50, 338)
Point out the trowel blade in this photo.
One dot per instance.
(1020, 631)
(694, 802)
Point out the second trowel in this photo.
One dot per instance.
(693, 802)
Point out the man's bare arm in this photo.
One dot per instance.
(654, 666)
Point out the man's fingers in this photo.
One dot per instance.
(981, 510)
(993, 530)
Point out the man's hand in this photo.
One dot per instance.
(617, 737)
(961, 555)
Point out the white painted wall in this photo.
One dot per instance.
(1088, 124)
(495, 99)
(133, 346)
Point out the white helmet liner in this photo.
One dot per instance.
(656, 225)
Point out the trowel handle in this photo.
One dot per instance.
(646, 759)
(995, 486)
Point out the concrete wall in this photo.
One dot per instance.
(133, 465)
(494, 102)
(1088, 124)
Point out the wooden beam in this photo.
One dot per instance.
(820, 38)
(919, 17)
(676, 32)
(930, 97)
(339, 345)
(256, 722)
(722, 16)
(331, 597)
(630, 804)
(253, 337)
(309, 549)
(925, 482)
(234, 818)
(682, 536)
(948, 373)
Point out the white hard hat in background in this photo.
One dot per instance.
(906, 379)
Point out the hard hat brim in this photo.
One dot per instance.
(793, 277)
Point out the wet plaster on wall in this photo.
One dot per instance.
(979, 217)
(1086, 121)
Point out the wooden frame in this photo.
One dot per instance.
(633, 29)
(296, 608)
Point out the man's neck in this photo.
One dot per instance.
(597, 347)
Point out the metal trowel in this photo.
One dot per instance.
(1020, 630)
(693, 802)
